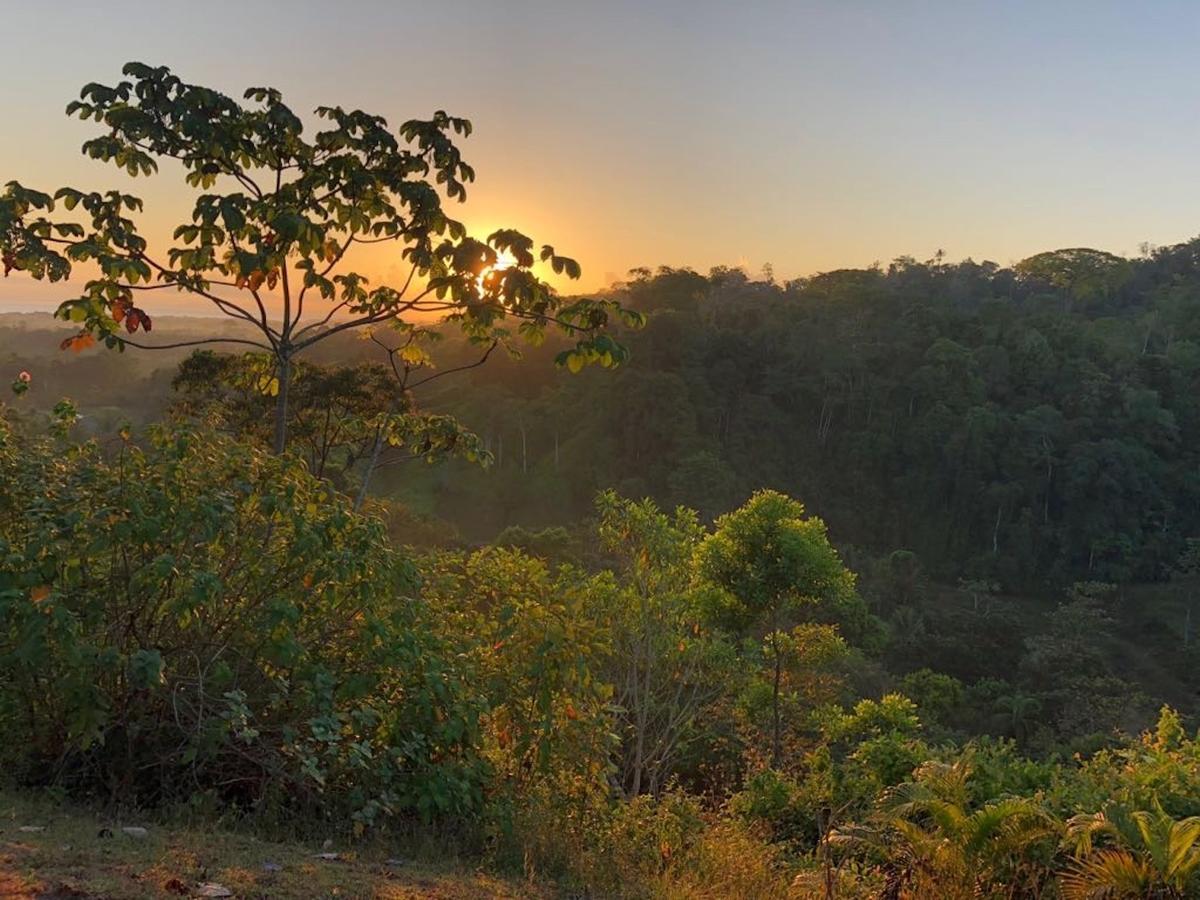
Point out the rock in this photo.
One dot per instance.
(328, 857)
(136, 831)
(212, 889)
(396, 863)
(32, 829)
(272, 867)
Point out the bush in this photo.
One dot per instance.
(197, 616)
(728, 862)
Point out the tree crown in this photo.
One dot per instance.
(276, 219)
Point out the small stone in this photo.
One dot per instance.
(396, 863)
(272, 867)
(212, 889)
(328, 844)
(328, 857)
(32, 829)
(136, 831)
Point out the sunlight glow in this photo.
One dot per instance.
(504, 260)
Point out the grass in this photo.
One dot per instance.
(79, 854)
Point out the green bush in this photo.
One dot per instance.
(194, 615)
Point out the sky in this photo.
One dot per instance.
(811, 136)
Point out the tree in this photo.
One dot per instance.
(1185, 571)
(342, 417)
(771, 560)
(278, 224)
(665, 666)
(1079, 272)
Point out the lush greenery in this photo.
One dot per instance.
(874, 584)
(192, 622)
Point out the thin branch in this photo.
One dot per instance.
(222, 340)
(228, 307)
(379, 240)
(364, 320)
(479, 362)
(333, 311)
(326, 271)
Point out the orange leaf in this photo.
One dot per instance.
(39, 593)
(79, 342)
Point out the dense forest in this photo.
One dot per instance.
(1035, 426)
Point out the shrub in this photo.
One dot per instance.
(195, 615)
(728, 862)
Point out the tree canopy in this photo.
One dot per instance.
(276, 217)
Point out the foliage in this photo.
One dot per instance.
(769, 559)
(667, 665)
(282, 224)
(524, 639)
(937, 844)
(1144, 853)
(990, 423)
(338, 413)
(192, 615)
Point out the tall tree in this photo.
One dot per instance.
(665, 667)
(275, 228)
(772, 560)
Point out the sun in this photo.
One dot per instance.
(504, 260)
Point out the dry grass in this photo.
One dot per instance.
(80, 855)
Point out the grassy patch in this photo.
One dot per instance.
(80, 855)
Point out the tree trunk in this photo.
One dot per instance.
(776, 737)
(372, 463)
(524, 452)
(281, 404)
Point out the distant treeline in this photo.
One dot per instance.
(1035, 424)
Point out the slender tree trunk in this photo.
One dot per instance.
(776, 737)
(281, 404)
(524, 452)
(372, 463)
(824, 826)
(555, 449)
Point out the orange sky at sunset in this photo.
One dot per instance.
(808, 135)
